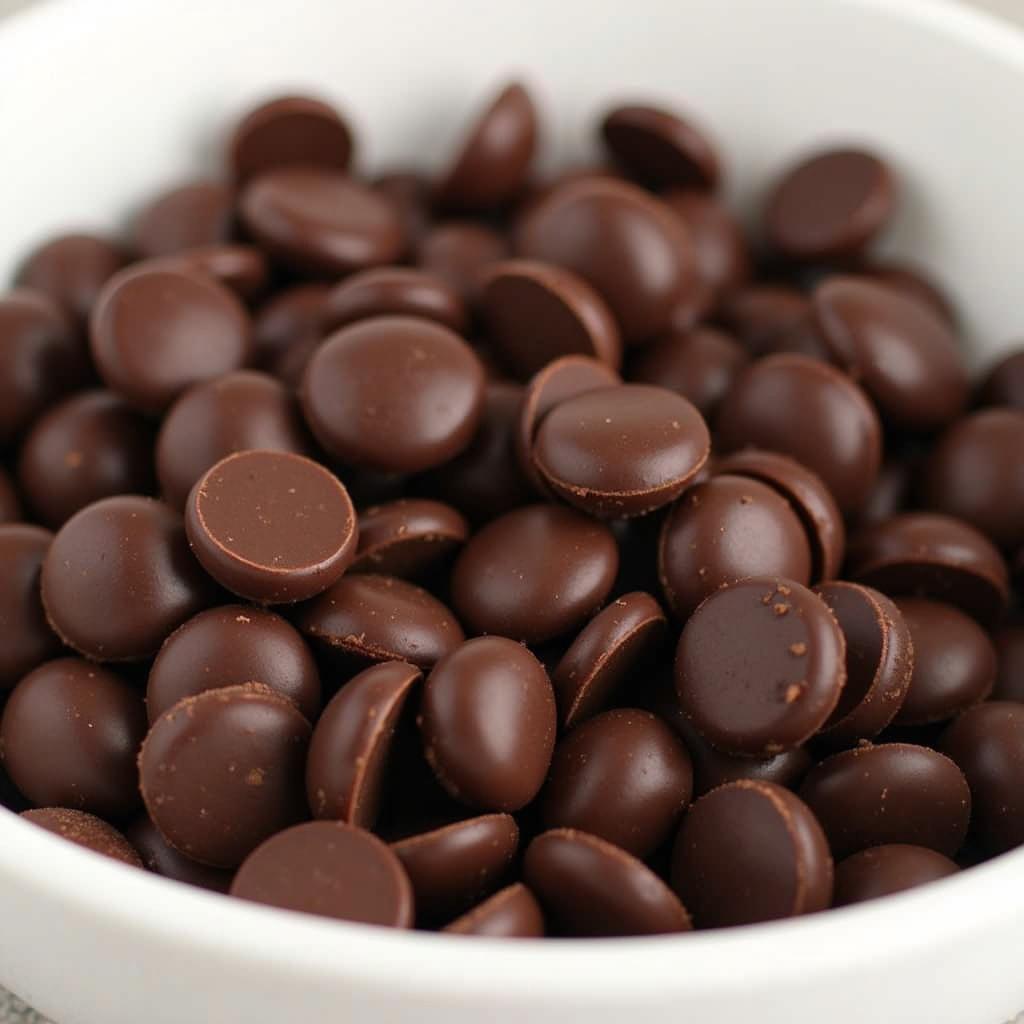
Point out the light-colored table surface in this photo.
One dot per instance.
(12, 1009)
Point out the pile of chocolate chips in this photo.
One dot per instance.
(506, 555)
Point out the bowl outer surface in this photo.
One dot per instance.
(90, 942)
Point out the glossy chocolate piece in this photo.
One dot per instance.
(331, 869)
(459, 252)
(889, 793)
(352, 740)
(726, 529)
(885, 870)
(119, 578)
(751, 851)
(764, 316)
(397, 394)
(811, 412)
(621, 451)
(228, 646)
(365, 618)
(243, 269)
(408, 538)
(488, 723)
(287, 329)
(70, 734)
(162, 859)
(916, 283)
(511, 913)
(623, 776)
(924, 554)
(223, 771)
(93, 445)
(157, 330)
(453, 867)
(1003, 385)
(588, 887)
(954, 662)
(1009, 645)
(273, 527)
(85, 830)
(760, 666)
(534, 574)
(195, 214)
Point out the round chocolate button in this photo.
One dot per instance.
(764, 316)
(890, 793)
(760, 666)
(884, 870)
(243, 269)
(331, 869)
(534, 574)
(621, 451)
(588, 887)
(162, 859)
(459, 252)
(223, 771)
(511, 913)
(195, 214)
(288, 328)
(70, 735)
(408, 537)
(228, 646)
(398, 394)
(119, 578)
(751, 851)
(488, 723)
(86, 830)
(273, 527)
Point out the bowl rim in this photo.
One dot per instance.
(591, 971)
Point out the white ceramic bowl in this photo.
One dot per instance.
(104, 101)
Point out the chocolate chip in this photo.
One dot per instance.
(511, 913)
(884, 870)
(86, 830)
(195, 214)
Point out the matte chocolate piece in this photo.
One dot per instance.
(881, 654)
(90, 446)
(973, 472)
(10, 503)
(588, 887)
(486, 479)
(493, 163)
(621, 451)
(605, 655)
(885, 870)
(408, 537)
(41, 359)
(760, 666)
(318, 221)
(557, 382)
(890, 793)
(537, 312)
(243, 269)
(195, 214)
(162, 859)
(660, 149)
(623, 776)
(987, 742)
(86, 830)
(534, 574)
(832, 204)
(723, 530)
(366, 618)
(119, 578)
(330, 869)
(628, 245)
(394, 291)
(272, 527)
(223, 771)
(26, 639)
(954, 662)
(1004, 382)
(397, 394)
(930, 555)
(511, 913)
(157, 330)
(288, 328)
(700, 364)
(351, 744)
(812, 412)
(459, 252)
(236, 412)
(751, 851)
(811, 500)
(71, 270)
(289, 130)
(228, 646)
(903, 353)
(763, 316)
(488, 723)
(70, 733)
(454, 867)
(1009, 645)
